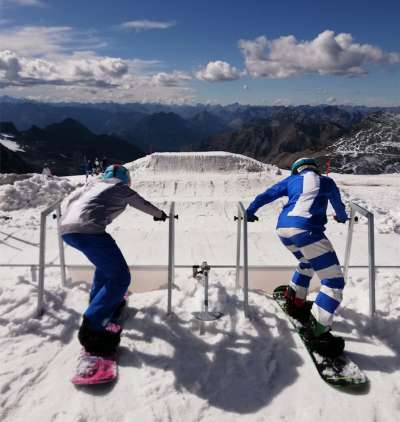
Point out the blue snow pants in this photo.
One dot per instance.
(111, 278)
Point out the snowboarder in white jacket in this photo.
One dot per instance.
(85, 216)
(300, 227)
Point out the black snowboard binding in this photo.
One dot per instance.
(325, 344)
(99, 343)
(300, 312)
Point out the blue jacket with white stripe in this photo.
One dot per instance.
(308, 194)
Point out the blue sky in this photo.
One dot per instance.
(253, 52)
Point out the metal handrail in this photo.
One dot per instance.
(181, 266)
(242, 219)
(355, 208)
(171, 255)
(42, 252)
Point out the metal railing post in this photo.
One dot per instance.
(355, 208)
(238, 251)
(205, 289)
(61, 249)
(42, 252)
(371, 264)
(349, 242)
(171, 254)
(245, 263)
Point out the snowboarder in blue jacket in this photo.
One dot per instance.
(86, 213)
(301, 227)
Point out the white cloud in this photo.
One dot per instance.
(88, 77)
(61, 64)
(141, 25)
(32, 3)
(218, 71)
(327, 54)
(36, 40)
(90, 70)
(173, 79)
(9, 65)
(331, 100)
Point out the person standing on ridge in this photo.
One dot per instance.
(46, 172)
(103, 164)
(301, 227)
(84, 216)
(97, 169)
(88, 169)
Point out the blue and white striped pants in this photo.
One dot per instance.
(315, 253)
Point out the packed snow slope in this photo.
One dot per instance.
(174, 369)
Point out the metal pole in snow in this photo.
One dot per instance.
(371, 264)
(349, 242)
(61, 249)
(170, 255)
(245, 263)
(205, 288)
(238, 251)
(42, 249)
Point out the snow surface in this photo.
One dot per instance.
(7, 141)
(174, 369)
(30, 192)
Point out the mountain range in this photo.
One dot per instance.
(372, 147)
(64, 147)
(66, 133)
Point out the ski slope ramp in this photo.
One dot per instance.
(174, 369)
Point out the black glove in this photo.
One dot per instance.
(162, 218)
(252, 218)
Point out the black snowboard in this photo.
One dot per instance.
(340, 371)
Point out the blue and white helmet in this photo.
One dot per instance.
(118, 171)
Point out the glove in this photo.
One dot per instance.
(335, 217)
(252, 218)
(162, 218)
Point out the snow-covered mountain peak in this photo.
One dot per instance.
(372, 147)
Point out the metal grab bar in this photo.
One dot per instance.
(42, 252)
(242, 219)
(171, 255)
(355, 208)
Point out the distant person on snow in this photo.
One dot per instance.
(46, 171)
(300, 227)
(85, 215)
(96, 167)
(88, 169)
(103, 164)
